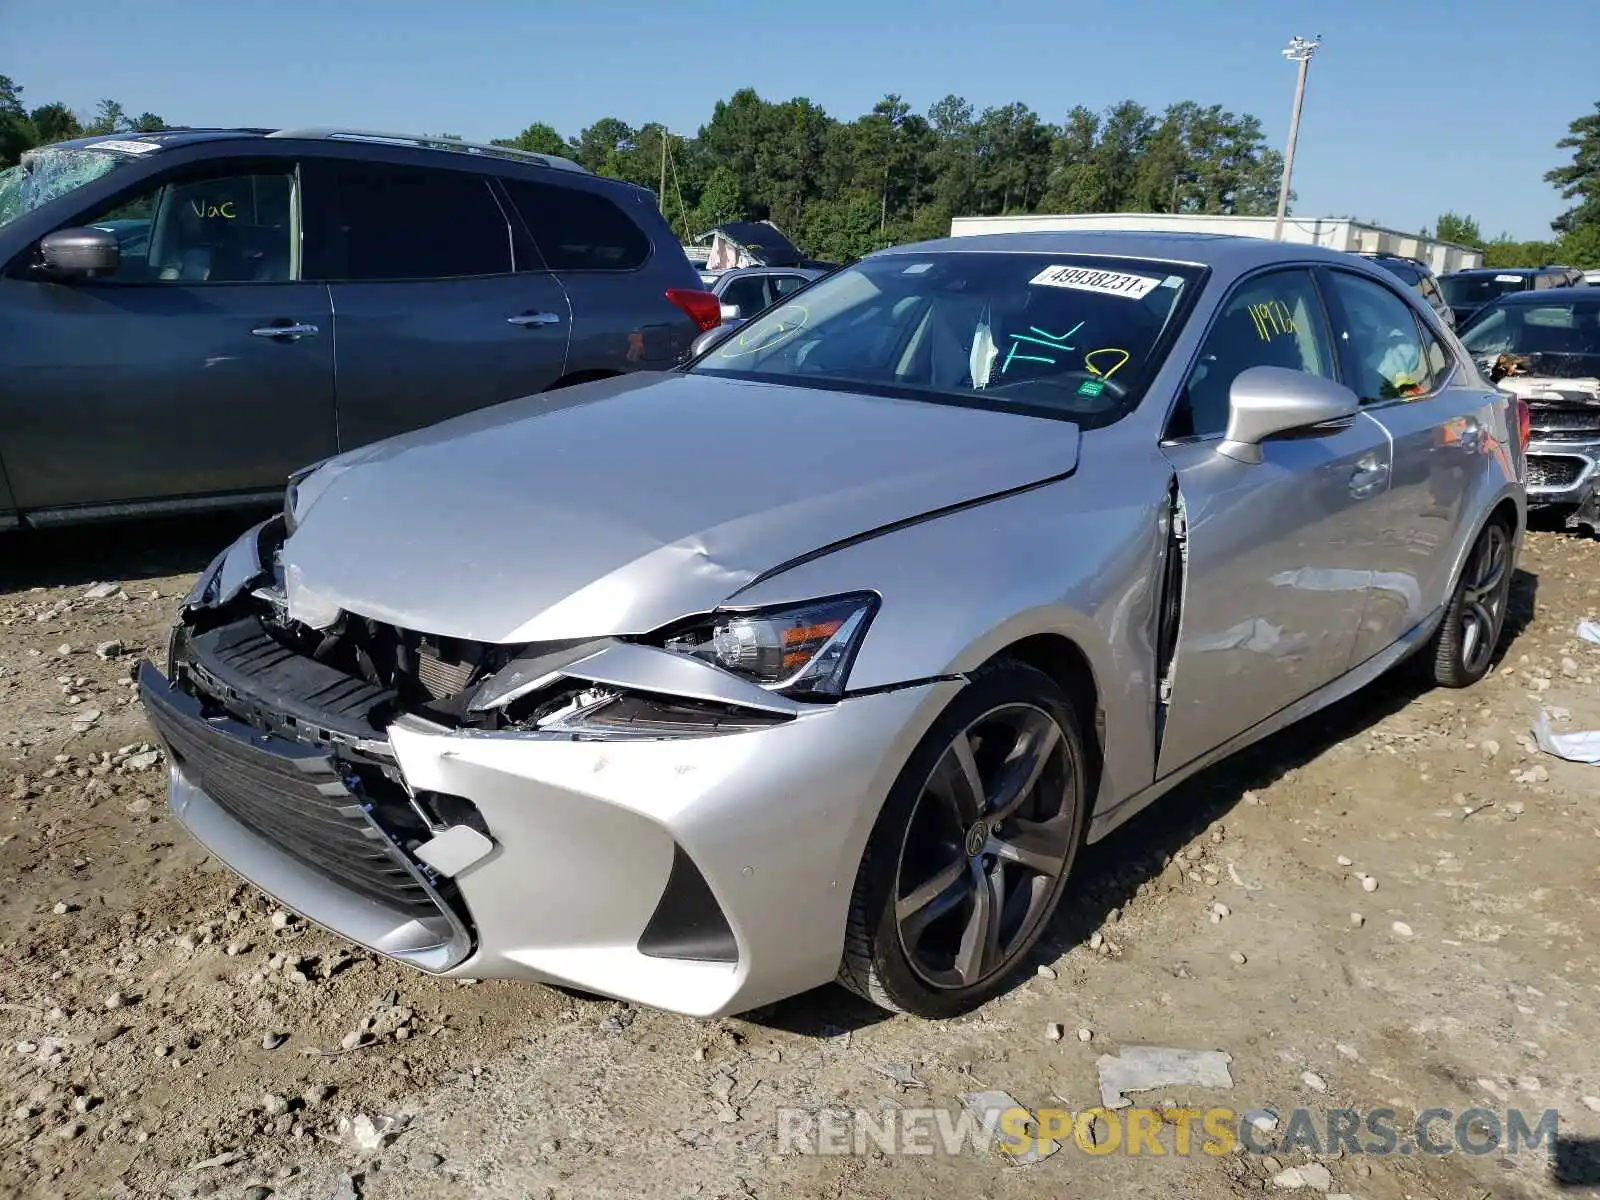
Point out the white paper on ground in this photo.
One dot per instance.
(1574, 747)
(1589, 631)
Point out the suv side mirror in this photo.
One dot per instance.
(1264, 402)
(730, 312)
(80, 253)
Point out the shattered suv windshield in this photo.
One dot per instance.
(44, 175)
(1049, 334)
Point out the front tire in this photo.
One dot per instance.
(1464, 645)
(969, 857)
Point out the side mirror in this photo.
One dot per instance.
(713, 335)
(730, 312)
(80, 253)
(1266, 402)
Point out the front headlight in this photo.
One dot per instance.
(803, 650)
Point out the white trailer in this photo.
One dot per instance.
(1336, 233)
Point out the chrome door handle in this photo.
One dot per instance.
(287, 332)
(526, 319)
(1368, 479)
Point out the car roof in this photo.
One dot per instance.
(172, 138)
(1500, 271)
(1226, 252)
(1556, 294)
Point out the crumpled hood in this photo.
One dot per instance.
(616, 507)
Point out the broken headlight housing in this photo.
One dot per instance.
(803, 650)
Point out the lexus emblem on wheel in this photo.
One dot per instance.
(977, 838)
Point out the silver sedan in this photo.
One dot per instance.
(822, 657)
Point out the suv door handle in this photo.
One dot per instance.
(289, 333)
(532, 318)
(1368, 479)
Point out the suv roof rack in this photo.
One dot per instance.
(1410, 258)
(428, 142)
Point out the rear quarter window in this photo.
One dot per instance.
(576, 229)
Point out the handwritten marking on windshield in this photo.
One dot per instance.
(1050, 341)
(1088, 361)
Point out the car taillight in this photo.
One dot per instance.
(1524, 422)
(704, 309)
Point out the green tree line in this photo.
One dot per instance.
(22, 128)
(843, 188)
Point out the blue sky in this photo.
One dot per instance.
(1413, 108)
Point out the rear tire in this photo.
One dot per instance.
(1463, 647)
(972, 850)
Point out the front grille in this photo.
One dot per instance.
(293, 795)
(1547, 471)
(1575, 423)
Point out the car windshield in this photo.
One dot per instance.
(1569, 327)
(1464, 291)
(1056, 335)
(44, 175)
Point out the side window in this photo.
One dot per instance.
(1384, 341)
(782, 285)
(217, 229)
(1270, 321)
(576, 229)
(1430, 292)
(1436, 360)
(375, 221)
(749, 292)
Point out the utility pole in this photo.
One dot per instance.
(1298, 50)
(661, 196)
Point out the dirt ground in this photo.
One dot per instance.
(164, 1031)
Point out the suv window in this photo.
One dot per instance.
(218, 229)
(378, 221)
(576, 229)
(782, 285)
(1385, 342)
(1271, 320)
(749, 292)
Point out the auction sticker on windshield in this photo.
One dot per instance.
(1086, 279)
(128, 147)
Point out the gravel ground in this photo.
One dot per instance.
(1392, 905)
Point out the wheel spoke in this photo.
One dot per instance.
(957, 782)
(932, 899)
(980, 940)
(1021, 771)
(1487, 580)
(1040, 846)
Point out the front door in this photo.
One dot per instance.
(1277, 551)
(202, 366)
(435, 315)
(1440, 416)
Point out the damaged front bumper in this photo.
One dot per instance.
(703, 872)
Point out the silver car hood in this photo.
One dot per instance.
(616, 507)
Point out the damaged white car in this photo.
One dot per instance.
(821, 657)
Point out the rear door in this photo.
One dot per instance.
(1279, 551)
(433, 317)
(1441, 418)
(616, 258)
(204, 365)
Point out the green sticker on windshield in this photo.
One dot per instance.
(1091, 387)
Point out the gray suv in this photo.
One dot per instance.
(187, 317)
